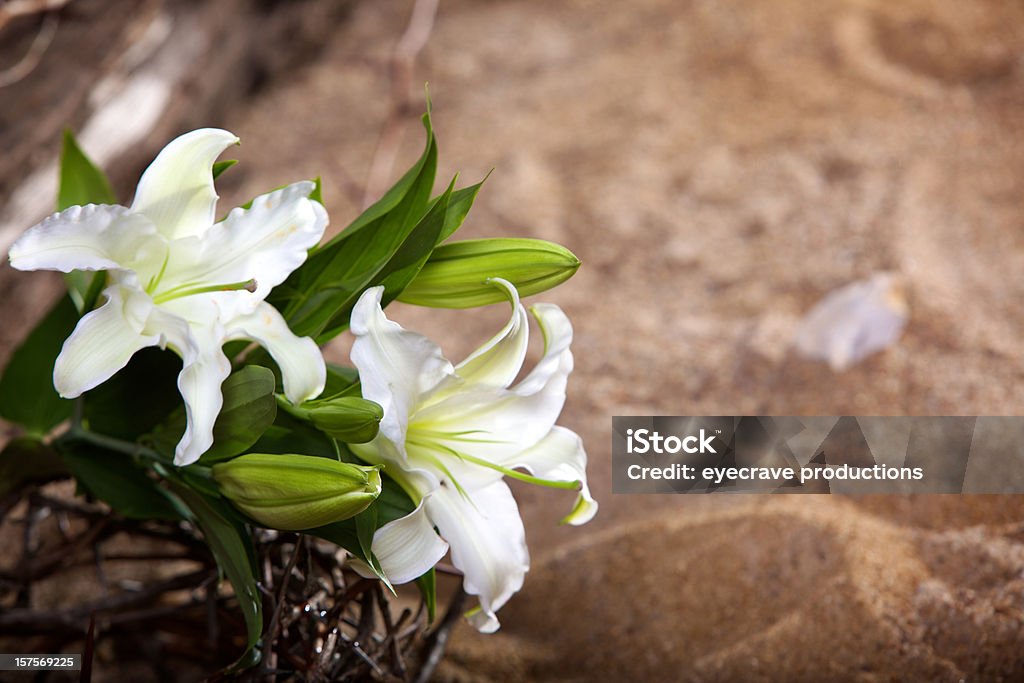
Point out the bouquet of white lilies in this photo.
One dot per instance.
(182, 377)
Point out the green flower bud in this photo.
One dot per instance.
(456, 274)
(294, 492)
(349, 418)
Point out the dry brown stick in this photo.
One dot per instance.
(23, 8)
(439, 638)
(24, 620)
(28, 63)
(403, 61)
(272, 627)
(398, 664)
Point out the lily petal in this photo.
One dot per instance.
(176, 192)
(498, 423)
(497, 362)
(264, 243)
(192, 328)
(408, 547)
(104, 341)
(487, 542)
(557, 363)
(92, 237)
(395, 366)
(303, 371)
(559, 456)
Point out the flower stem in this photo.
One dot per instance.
(77, 433)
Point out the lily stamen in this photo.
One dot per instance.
(181, 292)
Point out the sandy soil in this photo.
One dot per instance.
(718, 168)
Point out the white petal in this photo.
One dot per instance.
(104, 341)
(497, 423)
(556, 364)
(89, 237)
(559, 456)
(395, 366)
(854, 321)
(195, 332)
(264, 243)
(497, 362)
(408, 547)
(176, 192)
(487, 542)
(303, 371)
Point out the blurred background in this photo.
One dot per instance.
(718, 168)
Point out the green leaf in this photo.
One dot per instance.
(118, 481)
(221, 166)
(231, 545)
(319, 295)
(84, 288)
(81, 182)
(341, 381)
(291, 435)
(249, 409)
(27, 395)
(317, 195)
(399, 270)
(26, 460)
(428, 589)
(136, 399)
(393, 502)
(458, 207)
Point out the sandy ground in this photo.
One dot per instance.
(718, 168)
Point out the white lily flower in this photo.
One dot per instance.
(451, 433)
(177, 279)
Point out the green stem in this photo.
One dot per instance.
(77, 433)
(290, 408)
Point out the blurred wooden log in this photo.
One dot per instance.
(127, 75)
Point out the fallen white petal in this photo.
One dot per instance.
(854, 321)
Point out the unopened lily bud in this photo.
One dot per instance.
(456, 275)
(349, 419)
(294, 492)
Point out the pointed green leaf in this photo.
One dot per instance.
(320, 293)
(398, 270)
(118, 481)
(231, 545)
(81, 182)
(27, 396)
(136, 399)
(249, 409)
(221, 166)
(428, 589)
(459, 206)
